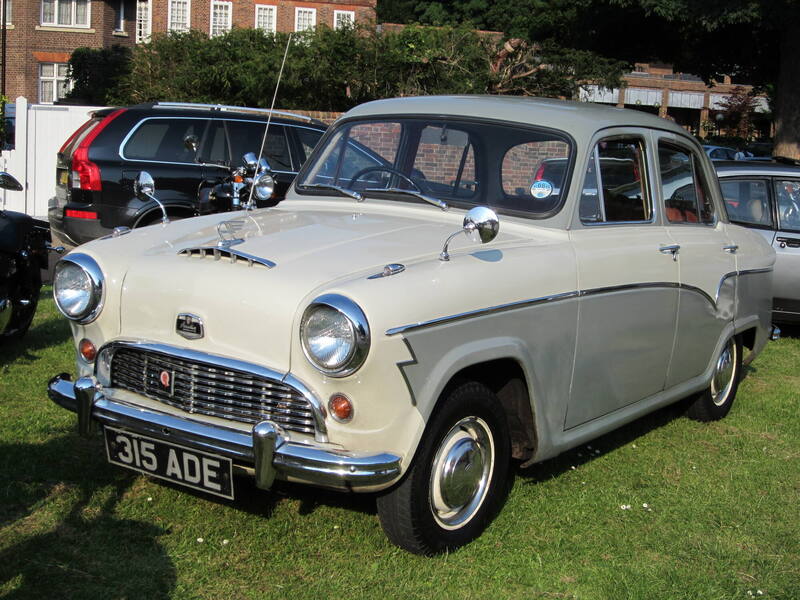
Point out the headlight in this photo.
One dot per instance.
(264, 187)
(335, 335)
(78, 288)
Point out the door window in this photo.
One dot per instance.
(246, 136)
(308, 140)
(615, 186)
(788, 195)
(683, 186)
(747, 201)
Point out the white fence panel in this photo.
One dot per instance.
(41, 129)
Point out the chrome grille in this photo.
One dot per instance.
(208, 389)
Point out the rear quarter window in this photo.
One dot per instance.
(161, 140)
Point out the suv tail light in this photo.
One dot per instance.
(85, 173)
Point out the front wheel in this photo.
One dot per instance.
(458, 478)
(715, 402)
(24, 300)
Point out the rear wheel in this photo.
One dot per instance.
(458, 478)
(714, 403)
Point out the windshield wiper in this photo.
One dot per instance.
(420, 196)
(357, 196)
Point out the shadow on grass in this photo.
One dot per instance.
(41, 336)
(59, 502)
(604, 444)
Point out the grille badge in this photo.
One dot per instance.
(189, 326)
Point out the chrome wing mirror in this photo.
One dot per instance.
(144, 187)
(480, 222)
(9, 182)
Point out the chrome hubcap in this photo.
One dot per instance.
(462, 470)
(722, 382)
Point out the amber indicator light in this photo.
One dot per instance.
(341, 408)
(87, 350)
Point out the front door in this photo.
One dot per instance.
(786, 281)
(628, 285)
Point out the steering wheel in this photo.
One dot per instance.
(391, 170)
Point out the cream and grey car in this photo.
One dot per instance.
(424, 311)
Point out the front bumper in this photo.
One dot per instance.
(265, 449)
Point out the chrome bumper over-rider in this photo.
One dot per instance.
(266, 449)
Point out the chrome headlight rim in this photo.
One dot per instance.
(92, 270)
(360, 328)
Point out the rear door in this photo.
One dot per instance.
(704, 253)
(156, 145)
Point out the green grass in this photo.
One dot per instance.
(722, 521)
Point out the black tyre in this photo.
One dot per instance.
(24, 300)
(714, 403)
(458, 478)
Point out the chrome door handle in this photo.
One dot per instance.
(731, 248)
(670, 249)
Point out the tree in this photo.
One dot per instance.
(96, 72)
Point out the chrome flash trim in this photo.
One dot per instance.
(388, 271)
(233, 255)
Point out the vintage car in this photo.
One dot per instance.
(421, 310)
(765, 197)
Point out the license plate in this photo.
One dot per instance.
(184, 466)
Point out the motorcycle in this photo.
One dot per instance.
(24, 246)
(250, 185)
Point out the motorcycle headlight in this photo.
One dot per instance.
(264, 187)
(78, 288)
(335, 335)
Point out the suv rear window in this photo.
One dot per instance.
(161, 139)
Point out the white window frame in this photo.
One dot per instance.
(55, 23)
(220, 4)
(170, 25)
(349, 14)
(142, 35)
(270, 8)
(55, 79)
(297, 12)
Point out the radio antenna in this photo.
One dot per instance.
(269, 120)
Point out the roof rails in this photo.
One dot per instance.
(226, 108)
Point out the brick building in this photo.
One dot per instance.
(41, 34)
(684, 98)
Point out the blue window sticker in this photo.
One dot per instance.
(541, 189)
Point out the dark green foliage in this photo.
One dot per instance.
(97, 71)
(335, 70)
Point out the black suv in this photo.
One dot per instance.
(97, 165)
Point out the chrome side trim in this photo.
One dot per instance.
(264, 448)
(481, 312)
(233, 255)
(575, 294)
(317, 407)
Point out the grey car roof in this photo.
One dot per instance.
(743, 168)
(580, 117)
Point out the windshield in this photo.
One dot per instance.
(459, 162)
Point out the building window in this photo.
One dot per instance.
(144, 23)
(53, 82)
(343, 18)
(266, 18)
(69, 13)
(220, 17)
(120, 24)
(178, 17)
(305, 19)
(7, 6)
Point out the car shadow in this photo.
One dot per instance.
(62, 535)
(791, 331)
(604, 444)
